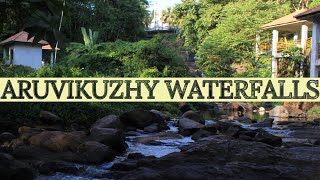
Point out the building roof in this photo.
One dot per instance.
(309, 13)
(48, 47)
(288, 22)
(22, 37)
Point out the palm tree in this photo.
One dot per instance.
(167, 16)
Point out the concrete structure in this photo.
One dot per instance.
(313, 15)
(283, 26)
(20, 49)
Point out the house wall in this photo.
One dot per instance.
(27, 55)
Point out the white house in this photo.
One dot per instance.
(20, 49)
(281, 27)
(313, 15)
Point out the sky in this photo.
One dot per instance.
(163, 4)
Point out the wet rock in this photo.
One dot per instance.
(140, 118)
(49, 118)
(50, 167)
(194, 116)
(245, 119)
(297, 124)
(233, 131)
(200, 134)
(34, 153)
(57, 140)
(132, 133)
(110, 137)
(222, 157)
(111, 121)
(268, 120)
(184, 107)
(223, 126)
(286, 112)
(6, 137)
(188, 126)
(95, 152)
(265, 137)
(12, 169)
(127, 165)
(26, 132)
(164, 116)
(151, 129)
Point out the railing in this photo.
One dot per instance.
(284, 44)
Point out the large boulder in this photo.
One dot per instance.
(286, 112)
(95, 152)
(184, 107)
(49, 118)
(164, 116)
(194, 116)
(142, 118)
(187, 126)
(111, 121)
(58, 141)
(151, 129)
(11, 169)
(6, 137)
(265, 137)
(111, 137)
(26, 132)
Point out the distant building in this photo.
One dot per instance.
(20, 49)
(281, 27)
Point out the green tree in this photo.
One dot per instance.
(233, 40)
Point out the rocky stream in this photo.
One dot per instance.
(143, 144)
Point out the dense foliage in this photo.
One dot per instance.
(223, 33)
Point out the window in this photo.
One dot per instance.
(11, 56)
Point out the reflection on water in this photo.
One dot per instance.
(225, 114)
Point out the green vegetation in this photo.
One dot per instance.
(223, 33)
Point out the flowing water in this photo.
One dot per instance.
(160, 149)
(164, 147)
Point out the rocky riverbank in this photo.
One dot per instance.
(150, 144)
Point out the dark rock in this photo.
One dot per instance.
(12, 169)
(317, 120)
(95, 152)
(49, 118)
(233, 131)
(110, 137)
(26, 132)
(245, 119)
(151, 128)
(50, 167)
(57, 140)
(140, 118)
(127, 165)
(194, 116)
(222, 157)
(164, 116)
(268, 120)
(132, 133)
(184, 107)
(188, 126)
(200, 134)
(223, 126)
(111, 121)
(135, 156)
(265, 137)
(6, 137)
